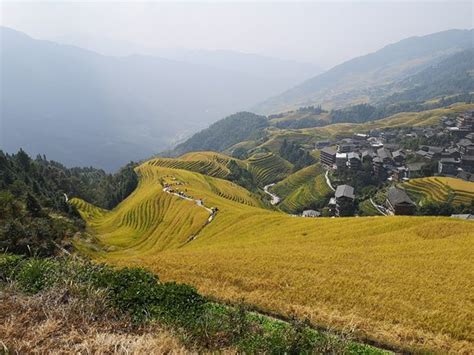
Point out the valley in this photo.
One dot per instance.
(318, 212)
(333, 271)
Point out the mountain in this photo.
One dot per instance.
(452, 75)
(278, 74)
(363, 79)
(83, 108)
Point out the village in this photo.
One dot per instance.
(394, 155)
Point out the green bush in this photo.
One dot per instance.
(179, 303)
(35, 275)
(9, 265)
(131, 290)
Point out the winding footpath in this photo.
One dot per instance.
(275, 199)
(379, 208)
(329, 181)
(212, 212)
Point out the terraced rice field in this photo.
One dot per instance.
(87, 210)
(404, 281)
(403, 119)
(268, 168)
(302, 188)
(264, 167)
(208, 163)
(441, 189)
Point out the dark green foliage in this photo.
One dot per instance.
(132, 290)
(356, 114)
(295, 154)
(179, 303)
(137, 293)
(444, 209)
(35, 275)
(225, 133)
(315, 110)
(9, 265)
(240, 153)
(32, 205)
(365, 112)
(48, 181)
(35, 218)
(240, 176)
(305, 122)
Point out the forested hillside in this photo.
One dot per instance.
(35, 217)
(451, 76)
(224, 133)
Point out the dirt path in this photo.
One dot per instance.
(329, 181)
(212, 212)
(275, 199)
(379, 208)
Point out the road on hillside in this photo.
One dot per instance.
(329, 181)
(275, 199)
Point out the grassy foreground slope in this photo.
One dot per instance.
(405, 281)
(441, 189)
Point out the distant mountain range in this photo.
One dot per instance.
(84, 108)
(371, 77)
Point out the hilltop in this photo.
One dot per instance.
(244, 133)
(290, 265)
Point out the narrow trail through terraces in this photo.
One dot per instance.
(274, 198)
(212, 211)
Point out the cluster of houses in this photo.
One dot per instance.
(341, 205)
(381, 151)
(389, 160)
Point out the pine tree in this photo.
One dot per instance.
(32, 205)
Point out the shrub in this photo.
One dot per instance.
(131, 290)
(35, 275)
(9, 265)
(179, 303)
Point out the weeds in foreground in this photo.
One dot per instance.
(76, 295)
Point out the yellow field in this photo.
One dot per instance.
(264, 167)
(441, 189)
(406, 281)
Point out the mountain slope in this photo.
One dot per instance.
(332, 271)
(224, 133)
(451, 76)
(357, 79)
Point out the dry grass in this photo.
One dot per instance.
(57, 322)
(406, 281)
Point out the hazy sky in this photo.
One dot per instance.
(325, 33)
